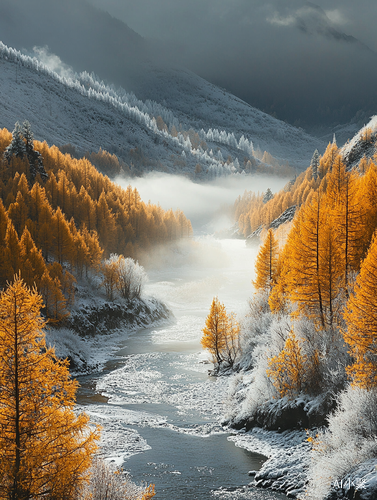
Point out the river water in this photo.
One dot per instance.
(159, 408)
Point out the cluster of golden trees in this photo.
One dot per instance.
(71, 221)
(252, 211)
(326, 272)
(46, 450)
(221, 335)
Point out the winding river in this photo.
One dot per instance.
(159, 408)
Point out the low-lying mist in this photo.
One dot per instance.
(207, 205)
(186, 275)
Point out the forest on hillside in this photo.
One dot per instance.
(61, 220)
(306, 353)
(253, 210)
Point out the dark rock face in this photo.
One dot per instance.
(286, 216)
(91, 320)
(285, 415)
(360, 149)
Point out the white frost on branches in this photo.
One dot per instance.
(123, 275)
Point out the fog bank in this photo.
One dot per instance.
(204, 204)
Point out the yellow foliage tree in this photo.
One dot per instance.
(215, 330)
(267, 263)
(232, 340)
(312, 263)
(327, 161)
(221, 334)
(287, 370)
(45, 449)
(361, 319)
(347, 211)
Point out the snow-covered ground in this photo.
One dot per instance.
(96, 327)
(288, 455)
(88, 114)
(356, 148)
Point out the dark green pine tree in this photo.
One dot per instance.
(17, 146)
(34, 157)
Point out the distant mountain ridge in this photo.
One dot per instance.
(83, 111)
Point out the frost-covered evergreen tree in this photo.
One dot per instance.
(17, 146)
(267, 195)
(23, 145)
(314, 164)
(34, 157)
(28, 136)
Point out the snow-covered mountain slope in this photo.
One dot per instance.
(80, 110)
(198, 103)
(362, 144)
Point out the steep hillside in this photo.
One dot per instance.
(362, 144)
(199, 104)
(80, 110)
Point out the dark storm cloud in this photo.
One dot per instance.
(183, 19)
(305, 62)
(308, 63)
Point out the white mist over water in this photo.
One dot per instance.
(201, 203)
(160, 398)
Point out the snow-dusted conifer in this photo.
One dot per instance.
(34, 157)
(28, 136)
(22, 145)
(314, 164)
(17, 146)
(267, 195)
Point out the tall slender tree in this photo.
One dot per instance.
(348, 218)
(313, 278)
(215, 331)
(266, 263)
(45, 449)
(315, 164)
(361, 319)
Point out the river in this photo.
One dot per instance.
(159, 408)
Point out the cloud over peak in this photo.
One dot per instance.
(312, 20)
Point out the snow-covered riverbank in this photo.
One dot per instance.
(337, 463)
(96, 328)
(288, 455)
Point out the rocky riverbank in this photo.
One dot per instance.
(96, 327)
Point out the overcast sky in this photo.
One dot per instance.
(309, 63)
(277, 55)
(185, 20)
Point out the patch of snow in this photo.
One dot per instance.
(118, 441)
(288, 455)
(356, 148)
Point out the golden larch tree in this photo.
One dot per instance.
(311, 257)
(45, 449)
(327, 160)
(348, 218)
(215, 331)
(361, 319)
(232, 340)
(267, 263)
(287, 370)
